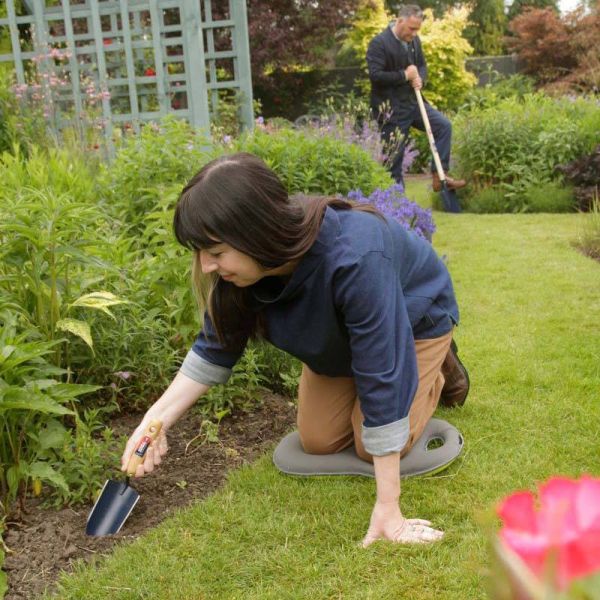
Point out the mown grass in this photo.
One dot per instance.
(529, 335)
(418, 189)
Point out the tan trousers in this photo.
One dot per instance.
(329, 415)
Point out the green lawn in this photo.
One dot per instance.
(418, 189)
(530, 336)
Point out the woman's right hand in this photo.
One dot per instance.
(157, 449)
(177, 399)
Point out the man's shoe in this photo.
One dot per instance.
(453, 184)
(456, 386)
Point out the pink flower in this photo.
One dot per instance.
(123, 374)
(560, 530)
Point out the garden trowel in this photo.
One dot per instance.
(117, 498)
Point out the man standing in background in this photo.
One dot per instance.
(397, 67)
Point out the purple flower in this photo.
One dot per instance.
(365, 135)
(393, 203)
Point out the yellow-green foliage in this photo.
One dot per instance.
(445, 50)
(371, 19)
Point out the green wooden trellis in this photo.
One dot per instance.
(141, 59)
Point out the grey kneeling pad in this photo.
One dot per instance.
(289, 456)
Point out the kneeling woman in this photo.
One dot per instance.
(366, 306)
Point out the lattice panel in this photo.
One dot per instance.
(130, 61)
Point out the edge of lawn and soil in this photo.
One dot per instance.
(529, 337)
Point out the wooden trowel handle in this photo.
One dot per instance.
(139, 454)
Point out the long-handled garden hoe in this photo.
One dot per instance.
(449, 198)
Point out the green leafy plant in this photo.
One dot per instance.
(162, 155)
(487, 25)
(88, 452)
(516, 145)
(589, 235)
(445, 49)
(33, 402)
(281, 371)
(370, 18)
(488, 200)
(50, 247)
(241, 392)
(498, 88)
(315, 164)
(550, 197)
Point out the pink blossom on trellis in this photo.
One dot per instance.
(19, 90)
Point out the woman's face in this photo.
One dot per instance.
(231, 265)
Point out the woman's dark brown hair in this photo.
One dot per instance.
(238, 200)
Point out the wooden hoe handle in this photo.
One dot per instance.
(434, 152)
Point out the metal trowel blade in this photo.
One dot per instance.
(115, 503)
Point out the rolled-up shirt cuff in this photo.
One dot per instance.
(385, 439)
(200, 370)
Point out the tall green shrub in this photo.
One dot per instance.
(315, 165)
(493, 144)
(445, 50)
(33, 402)
(370, 19)
(52, 244)
(517, 145)
(487, 26)
(161, 155)
(517, 7)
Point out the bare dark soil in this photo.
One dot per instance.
(48, 541)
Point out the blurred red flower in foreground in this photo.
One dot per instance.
(149, 72)
(559, 532)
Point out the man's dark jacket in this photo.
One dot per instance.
(387, 58)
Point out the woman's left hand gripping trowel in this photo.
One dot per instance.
(117, 498)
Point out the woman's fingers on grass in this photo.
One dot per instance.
(418, 531)
(414, 531)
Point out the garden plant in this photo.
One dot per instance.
(97, 313)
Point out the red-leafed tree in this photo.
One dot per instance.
(543, 43)
(561, 53)
(285, 34)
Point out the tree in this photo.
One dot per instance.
(543, 43)
(438, 7)
(445, 50)
(370, 19)
(519, 6)
(561, 51)
(287, 34)
(487, 25)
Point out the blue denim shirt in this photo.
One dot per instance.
(353, 307)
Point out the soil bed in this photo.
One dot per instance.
(48, 541)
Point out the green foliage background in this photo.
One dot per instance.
(487, 27)
(510, 148)
(445, 50)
